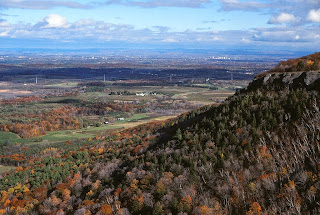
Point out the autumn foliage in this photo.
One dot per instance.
(254, 154)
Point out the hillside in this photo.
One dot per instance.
(305, 63)
(257, 153)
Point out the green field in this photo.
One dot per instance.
(204, 85)
(6, 168)
(85, 133)
(11, 137)
(56, 136)
(202, 93)
(63, 84)
(164, 96)
(135, 117)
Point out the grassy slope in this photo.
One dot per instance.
(61, 136)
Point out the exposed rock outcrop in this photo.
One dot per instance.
(280, 81)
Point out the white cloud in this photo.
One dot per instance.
(283, 18)
(295, 12)
(170, 40)
(84, 22)
(160, 3)
(4, 34)
(5, 28)
(216, 38)
(229, 5)
(245, 40)
(55, 21)
(289, 35)
(40, 4)
(314, 15)
(4, 23)
(58, 28)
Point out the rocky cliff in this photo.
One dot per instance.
(280, 81)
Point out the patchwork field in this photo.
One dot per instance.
(83, 110)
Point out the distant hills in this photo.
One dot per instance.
(257, 153)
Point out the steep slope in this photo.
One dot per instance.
(306, 63)
(283, 81)
(257, 153)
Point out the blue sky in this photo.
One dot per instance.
(292, 25)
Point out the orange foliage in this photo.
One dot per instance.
(310, 63)
(239, 131)
(18, 203)
(55, 201)
(244, 142)
(117, 192)
(7, 202)
(40, 193)
(62, 186)
(205, 210)
(87, 203)
(187, 201)
(267, 176)
(90, 193)
(57, 119)
(100, 150)
(4, 196)
(66, 195)
(106, 209)
(21, 100)
(5, 128)
(264, 152)
(133, 185)
(19, 168)
(137, 149)
(75, 179)
(189, 141)
(255, 209)
(291, 184)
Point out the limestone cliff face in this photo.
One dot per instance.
(281, 81)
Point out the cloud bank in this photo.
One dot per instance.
(229, 5)
(54, 21)
(160, 3)
(40, 4)
(314, 15)
(292, 23)
(283, 18)
(57, 27)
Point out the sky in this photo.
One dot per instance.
(291, 25)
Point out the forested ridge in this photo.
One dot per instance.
(306, 63)
(257, 153)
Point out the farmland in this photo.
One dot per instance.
(69, 110)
